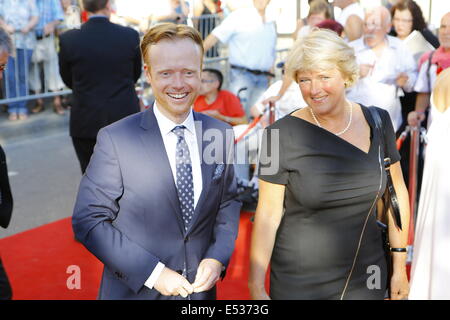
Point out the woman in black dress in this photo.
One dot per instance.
(321, 174)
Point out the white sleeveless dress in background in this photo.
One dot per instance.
(430, 273)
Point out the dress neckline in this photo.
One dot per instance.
(368, 120)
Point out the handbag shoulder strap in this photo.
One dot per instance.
(379, 127)
(387, 164)
(376, 116)
(378, 124)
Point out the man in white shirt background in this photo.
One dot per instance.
(351, 18)
(386, 66)
(251, 38)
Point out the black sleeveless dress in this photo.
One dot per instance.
(331, 186)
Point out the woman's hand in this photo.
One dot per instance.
(399, 286)
(402, 79)
(258, 292)
(414, 118)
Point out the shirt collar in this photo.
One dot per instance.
(98, 16)
(166, 125)
(391, 43)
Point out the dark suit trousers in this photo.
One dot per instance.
(5, 287)
(84, 148)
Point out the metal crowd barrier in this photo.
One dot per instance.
(205, 24)
(216, 57)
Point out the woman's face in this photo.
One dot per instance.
(322, 90)
(403, 22)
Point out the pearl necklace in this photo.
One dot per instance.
(341, 132)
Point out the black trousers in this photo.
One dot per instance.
(5, 287)
(84, 148)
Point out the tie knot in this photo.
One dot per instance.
(179, 131)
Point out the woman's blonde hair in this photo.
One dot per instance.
(322, 49)
(441, 91)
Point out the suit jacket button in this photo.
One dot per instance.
(186, 239)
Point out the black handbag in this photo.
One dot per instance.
(389, 201)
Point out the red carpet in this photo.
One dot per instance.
(37, 262)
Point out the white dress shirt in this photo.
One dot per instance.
(251, 41)
(170, 143)
(379, 87)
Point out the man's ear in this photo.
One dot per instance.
(147, 72)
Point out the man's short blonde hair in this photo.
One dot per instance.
(319, 50)
(169, 31)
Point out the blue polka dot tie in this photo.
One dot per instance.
(185, 181)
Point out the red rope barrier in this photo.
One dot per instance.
(250, 127)
(256, 120)
(271, 112)
(402, 138)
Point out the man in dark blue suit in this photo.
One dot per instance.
(101, 63)
(157, 204)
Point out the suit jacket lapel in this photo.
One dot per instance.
(154, 147)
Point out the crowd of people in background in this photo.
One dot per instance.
(399, 63)
(35, 29)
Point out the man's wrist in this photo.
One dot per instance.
(150, 283)
(222, 266)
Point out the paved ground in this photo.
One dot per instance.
(43, 169)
